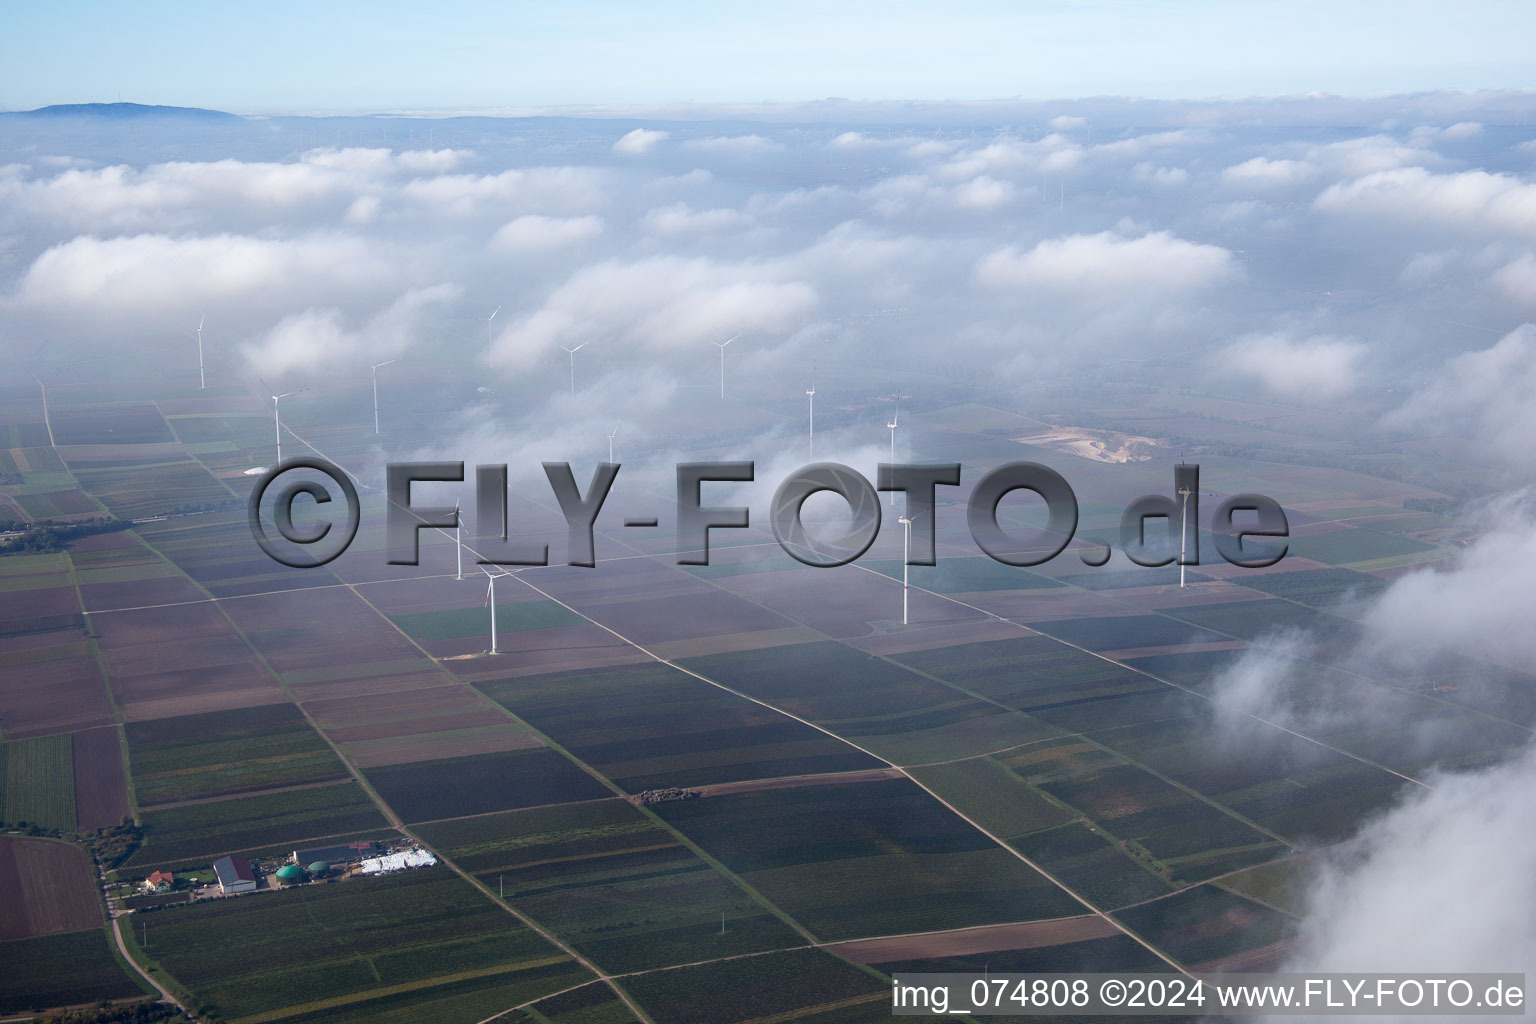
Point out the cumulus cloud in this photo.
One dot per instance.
(659, 304)
(1260, 172)
(1486, 393)
(639, 142)
(682, 219)
(1517, 280)
(1107, 262)
(317, 338)
(136, 273)
(1319, 369)
(1456, 848)
(1458, 855)
(1470, 201)
(534, 232)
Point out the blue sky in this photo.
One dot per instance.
(354, 56)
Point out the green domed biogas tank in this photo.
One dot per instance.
(319, 867)
(288, 874)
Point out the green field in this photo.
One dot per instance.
(1205, 923)
(962, 575)
(997, 799)
(651, 726)
(37, 782)
(795, 985)
(896, 861)
(417, 945)
(608, 879)
(63, 970)
(226, 752)
(480, 783)
(1341, 547)
(893, 712)
(194, 834)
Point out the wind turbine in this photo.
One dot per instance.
(277, 425)
(810, 394)
(490, 600)
(610, 439)
(458, 537)
(202, 381)
(892, 425)
(1183, 530)
(906, 553)
(572, 352)
(721, 346)
(375, 369)
(488, 327)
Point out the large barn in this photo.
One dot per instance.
(234, 874)
(347, 853)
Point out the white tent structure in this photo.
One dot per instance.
(413, 858)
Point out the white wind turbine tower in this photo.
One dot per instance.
(721, 346)
(572, 353)
(1183, 530)
(277, 424)
(906, 553)
(375, 369)
(810, 394)
(458, 537)
(892, 425)
(611, 437)
(202, 381)
(488, 327)
(490, 600)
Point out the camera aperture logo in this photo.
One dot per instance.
(1239, 518)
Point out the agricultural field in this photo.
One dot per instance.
(595, 1003)
(193, 834)
(651, 726)
(179, 661)
(1207, 924)
(611, 881)
(891, 711)
(1349, 546)
(1320, 588)
(985, 790)
(417, 945)
(46, 886)
(37, 782)
(63, 970)
(898, 862)
(801, 984)
(1028, 672)
(962, 575)
(480, 783)
(126, 423)
(101, 791)
(458, 623)
(226, 752)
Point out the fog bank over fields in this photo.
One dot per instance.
(1310, 252)
(1365, 267)
(1440, 882)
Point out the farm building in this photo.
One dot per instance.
(234, 874)
(347, 853)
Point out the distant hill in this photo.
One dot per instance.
(125, 111)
